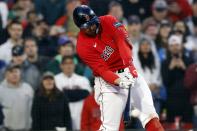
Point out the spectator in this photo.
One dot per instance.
(178, 9)
(30, 73)
(134, 28)
(65, 48)
(15, 30)
(67, 20)
(134, 31)
(182, 27)
(16, 99)
(141, 8)
(191, 41)
(67, 79)
(2, 69)
(180, 34)
(194, 8)
(50, 106)
(1, 22)
(50, 9)
(159, 10)
(190, 81)
(150, 69)
(90, 117)
(3, 13)
(191, 44)
(41, 30)
(193, 17)
(31, 50)
(20, 10)
(173, 71)
(150, 28)
(115, 9)
(135, 34)
(3, 32)
(46, 43)
(1, 118)
(32, 19)
(162, 39)
(163, 34)
(100, 7)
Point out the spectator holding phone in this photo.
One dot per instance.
(173, 71)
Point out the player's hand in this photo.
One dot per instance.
(130, 77)
(125, 83)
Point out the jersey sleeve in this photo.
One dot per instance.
(120, 35)
(95, 62)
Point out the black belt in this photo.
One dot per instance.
(121, 71)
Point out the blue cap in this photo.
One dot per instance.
(63, 40)
(133, 19)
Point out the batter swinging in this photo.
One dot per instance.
(104, 46)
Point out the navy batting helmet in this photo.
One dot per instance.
(84, 17)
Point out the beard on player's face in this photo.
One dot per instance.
(90, 31)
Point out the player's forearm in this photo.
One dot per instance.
(109, 76)
(124, 45)
(117, 81)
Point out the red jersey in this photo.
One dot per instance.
(108, 52)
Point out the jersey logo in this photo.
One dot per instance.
(95, 45)
(117, 24)
(107, 53)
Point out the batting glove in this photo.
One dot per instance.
(125, 83)
(130, 77)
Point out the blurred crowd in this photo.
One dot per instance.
(46, 86)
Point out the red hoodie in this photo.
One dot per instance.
(90, 120)
(186, 11)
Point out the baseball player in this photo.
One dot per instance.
(104, 46)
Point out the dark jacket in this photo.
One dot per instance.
(50, 113)
(177, 103)
(30, 74)
(190, 82)
(141, 8)
(96, 5)
(1, 115)
(47, 45)
(41, 63)
(3, 32)
(50, 9)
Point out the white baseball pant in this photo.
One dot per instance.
(113, 99)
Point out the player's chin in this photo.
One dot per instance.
(92, 34)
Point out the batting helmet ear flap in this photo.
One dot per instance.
(84, 17)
